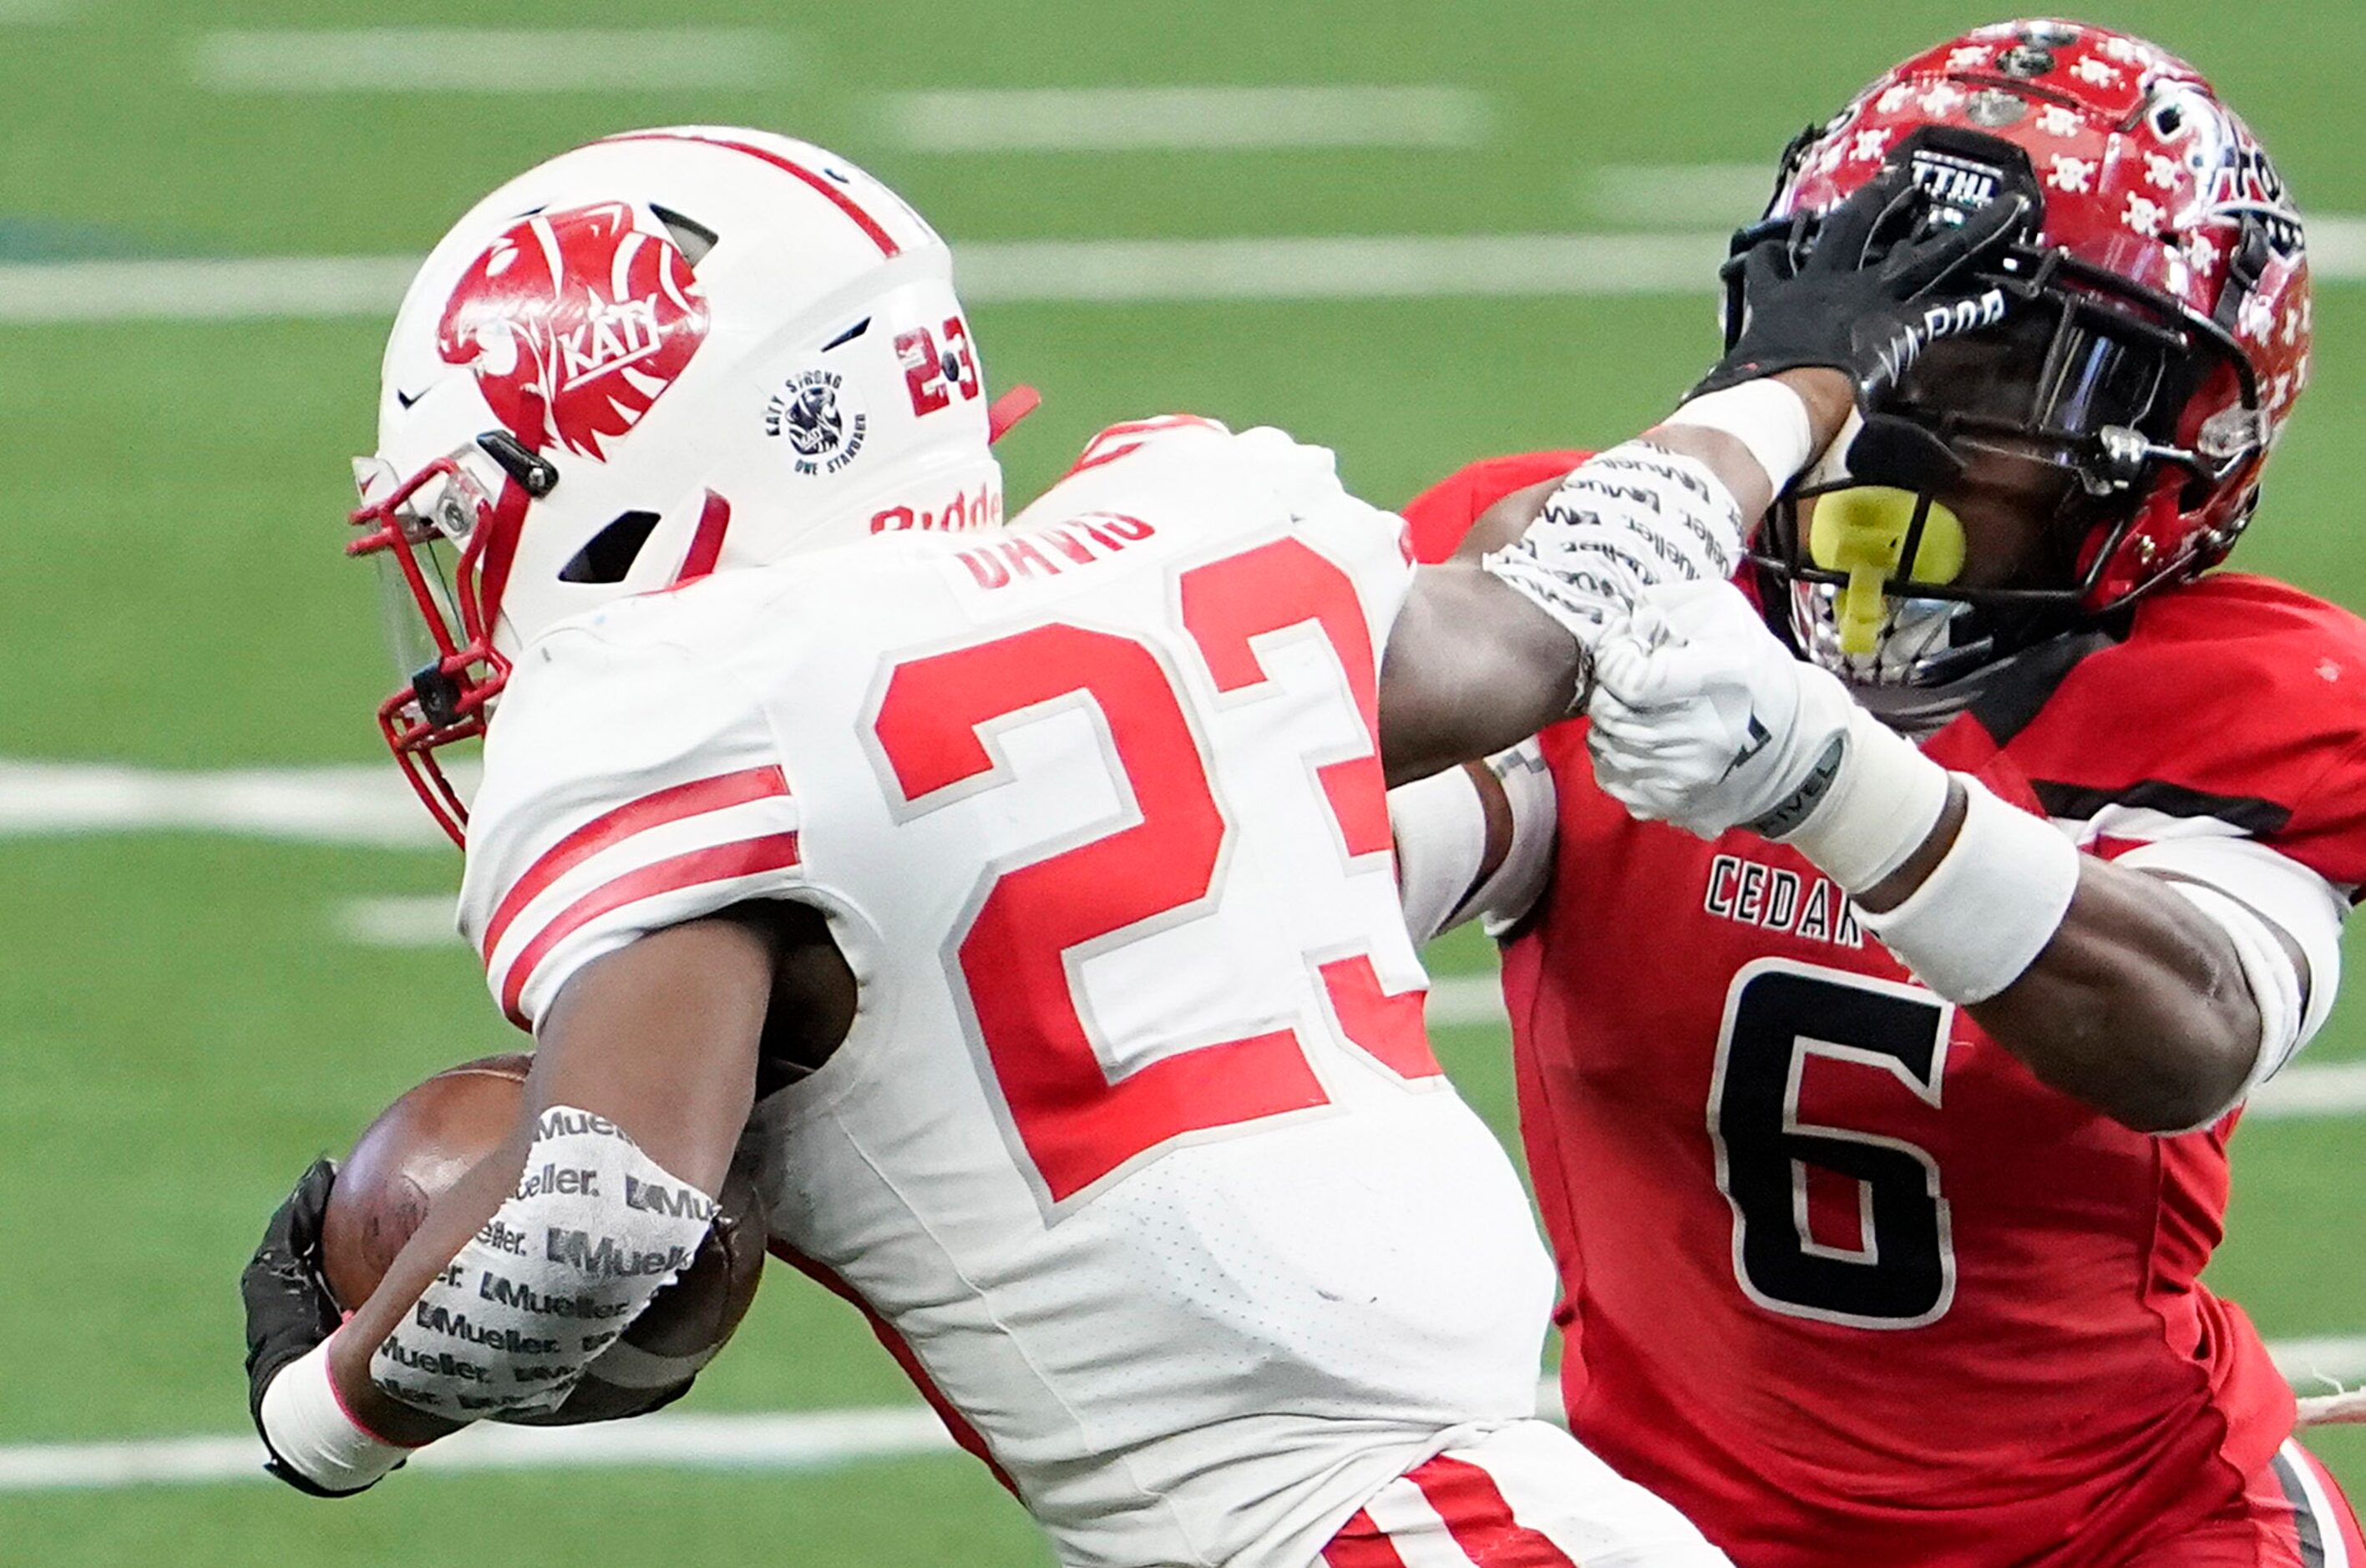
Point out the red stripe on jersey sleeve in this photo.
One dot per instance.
(715, 863)
(1479, 1520)
(1361, 1543)
(611, 828)
(820, 183)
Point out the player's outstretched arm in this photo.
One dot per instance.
(644, 1075)
(2157, 997)
(1488, 649)
(1486, 652)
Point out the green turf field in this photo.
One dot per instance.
(181, 1025)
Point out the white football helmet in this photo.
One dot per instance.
(667, 354)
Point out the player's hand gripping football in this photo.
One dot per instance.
(288, 1308)
(1702, 719)
(1866, 290)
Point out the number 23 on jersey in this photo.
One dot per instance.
(1078, 1123)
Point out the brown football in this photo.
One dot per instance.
(429, 1138)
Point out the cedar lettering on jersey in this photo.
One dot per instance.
(1135, 1152)
(1835, 1265)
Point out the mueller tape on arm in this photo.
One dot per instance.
(1630, 519)
(595, 1228)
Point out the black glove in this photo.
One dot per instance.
(288, 1308)
(1861, 296)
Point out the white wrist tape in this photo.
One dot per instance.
(595, 1229)
(1632, 518)
(1767, 417)
(1881, 802)
(309, 1431)
(2268, 972)
(1987, 908)
(1440, 824)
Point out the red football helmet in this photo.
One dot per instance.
(2162, 337)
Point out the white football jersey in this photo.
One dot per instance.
(1137, 1144)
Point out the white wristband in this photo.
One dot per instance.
(1989, 907)
(1883, 801)
(1767, 417)
(305, 1423)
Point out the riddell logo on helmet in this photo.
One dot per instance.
(980, 508)
(575, 323)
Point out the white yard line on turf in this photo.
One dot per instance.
(2321, 1365)
(798, 1440)
(1712, 194)
(2304, 1090)
(400, 920)
(804, 1440)
(231, 289)
(368, 804)
(1409, 266)
(364, 804)
(1047, 272)
(489, 60)
(2312, 1089)
(1126, 119)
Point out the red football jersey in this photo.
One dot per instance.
(1843, 1282)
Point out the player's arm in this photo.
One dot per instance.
(644, 1075)
(1474, 842)
(1491, 647)
(2157, 993)
(2156, 998)
(1485, 651)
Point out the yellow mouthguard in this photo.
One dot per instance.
(1863, 532)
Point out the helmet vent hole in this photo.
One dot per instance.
(612, 551)
(695, 239)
